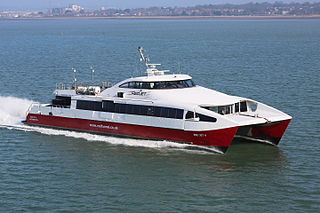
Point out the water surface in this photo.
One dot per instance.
(272, 61)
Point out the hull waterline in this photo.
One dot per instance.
(219, 139)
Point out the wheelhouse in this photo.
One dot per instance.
(239, 107)
(158, 84)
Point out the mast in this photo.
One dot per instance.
(92, 73)
(74, 77)
(142, 57)
(151, 68)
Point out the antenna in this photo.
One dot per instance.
(151, 68)
(142, 57)
(92, 73)
(74, 77)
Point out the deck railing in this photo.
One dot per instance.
(71, 86)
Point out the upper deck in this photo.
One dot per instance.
(81, 88)
(165, 77)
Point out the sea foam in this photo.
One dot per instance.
(13, 110)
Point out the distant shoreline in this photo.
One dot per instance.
(163, 17)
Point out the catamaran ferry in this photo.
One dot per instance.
(160, 106)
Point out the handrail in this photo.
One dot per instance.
(71, 86)
(31, 105)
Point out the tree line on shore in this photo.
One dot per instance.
(248, 9)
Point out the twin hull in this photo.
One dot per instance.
(163, 128)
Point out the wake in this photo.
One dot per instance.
(13, 111)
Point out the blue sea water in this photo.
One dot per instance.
(276, 62)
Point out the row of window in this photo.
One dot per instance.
(165, 112)
(228, 109)
(110, 106)
(158, 85)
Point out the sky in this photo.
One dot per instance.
(123, 4)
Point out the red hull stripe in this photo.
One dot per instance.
(275, 130)
(221, 137)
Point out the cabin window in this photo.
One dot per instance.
(97, 106)
(143, 110)
(164, 112)
(145, 85)
(225, 110)
(116, 108)
(179, 114)
(158, 84)
(132, 84)
(157, 111)
(136, 109)
(201, 117)
(213, 109)
(150, 111)
(189, 115)
(243, 106)
(120, 94)
(89, 105)
(236, 107)
(122, 108)
(172, 113)
(125, 85)
(108, 106)
(206, 118)
(61, 101)
(129, 109)
(189, 83)
(253, 106)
